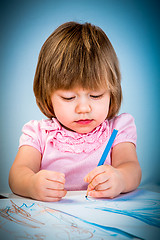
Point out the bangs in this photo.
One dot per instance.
(79, 72)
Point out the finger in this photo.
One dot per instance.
(54, 185)
(88, 178)
(103, 186)
(109, 193)
(50, 199)
(55, 176)
(98, 179)
(55, 193)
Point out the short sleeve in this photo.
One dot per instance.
(31, 133)
(126, 127)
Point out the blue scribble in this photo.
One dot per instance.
(148, 215)
(25, 205)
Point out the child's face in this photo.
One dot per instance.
(81, 110)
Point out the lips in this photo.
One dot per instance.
(84, 121)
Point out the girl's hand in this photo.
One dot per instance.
(104, 181)
(47, 186)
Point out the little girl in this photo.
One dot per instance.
(77, 85)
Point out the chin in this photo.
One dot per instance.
(83, 131)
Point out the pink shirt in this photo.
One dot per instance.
(73, 153)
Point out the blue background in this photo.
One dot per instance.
(133, 29)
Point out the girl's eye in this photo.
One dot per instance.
(68, 99)
(96, 96)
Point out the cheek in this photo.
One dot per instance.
(103, 109)
(102, 112)
(57, 108)
(62, 112)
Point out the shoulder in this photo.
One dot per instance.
(39, 126)
(34, 132)
(125, 124)
(122, 121)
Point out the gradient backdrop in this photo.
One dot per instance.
(132, 27)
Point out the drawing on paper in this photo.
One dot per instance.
(63, 225)
(80, 219)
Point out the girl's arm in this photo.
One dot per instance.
(25, 178)
(123, 176)
(124, 159)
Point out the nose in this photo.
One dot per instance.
(83, 106)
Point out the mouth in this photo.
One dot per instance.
(84, 121)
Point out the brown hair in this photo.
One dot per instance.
(77, 55)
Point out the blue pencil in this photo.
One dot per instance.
(106, 150)
(108, 147)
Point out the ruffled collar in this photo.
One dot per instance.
(68, 141)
